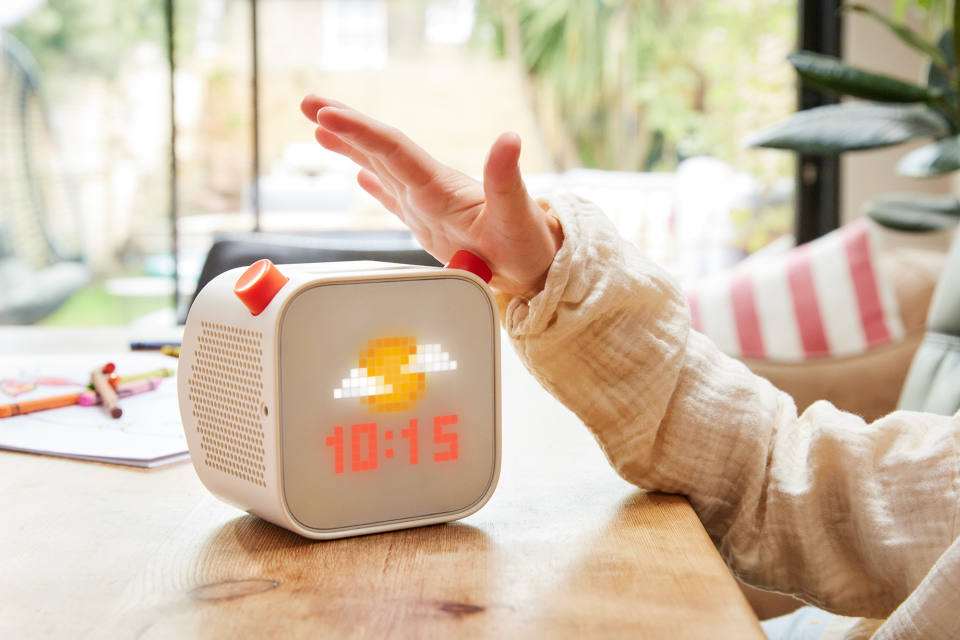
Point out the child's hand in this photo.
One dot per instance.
(446, 210)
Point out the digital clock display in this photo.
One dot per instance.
(387, 401)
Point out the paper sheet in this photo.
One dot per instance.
(148, 434)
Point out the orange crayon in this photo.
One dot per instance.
(32, 406)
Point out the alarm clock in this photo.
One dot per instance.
(345, 398)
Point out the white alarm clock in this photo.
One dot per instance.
(340, 399)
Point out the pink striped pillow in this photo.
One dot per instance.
(822, 299)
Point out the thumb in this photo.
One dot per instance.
(506, 195)
(524, 239)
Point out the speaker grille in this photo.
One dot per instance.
(226, 390)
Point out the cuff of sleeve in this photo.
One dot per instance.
(580, 221)
(607, 335)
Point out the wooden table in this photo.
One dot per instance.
(565, 548)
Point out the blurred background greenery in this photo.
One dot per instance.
(637, 86)
(614, 85)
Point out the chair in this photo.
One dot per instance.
(932, 385)
(933, 381)
(243, 249)
(819, 336)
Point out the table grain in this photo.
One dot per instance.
(564, 549)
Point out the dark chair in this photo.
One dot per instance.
(243, 249)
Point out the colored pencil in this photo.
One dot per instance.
(124, 390)
(41, 404)
(151, 346)
(158, 373)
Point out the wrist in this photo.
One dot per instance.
(555, 237)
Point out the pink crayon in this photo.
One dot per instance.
(89, 398)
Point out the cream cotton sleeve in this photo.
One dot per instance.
(845, 515)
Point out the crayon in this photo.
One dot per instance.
(107, 393)
(170, 350)
(124, 390)
(151, 346)
(41, 404)
(158, 373)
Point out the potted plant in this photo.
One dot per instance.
(889, 112)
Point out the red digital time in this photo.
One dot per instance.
(364, 445)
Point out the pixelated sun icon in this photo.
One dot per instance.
(392, 374)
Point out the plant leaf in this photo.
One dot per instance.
(850, 127)
(936, 159)
(899, 10)
(936, 77)
(942, 78)
(955, 31)
(914, 211)
(909, 36)
(913, 220)
(830, 73)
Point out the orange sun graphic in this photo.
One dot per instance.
(392, 373)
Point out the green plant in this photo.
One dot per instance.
(635, 85)
(97, 36)
(889, 112)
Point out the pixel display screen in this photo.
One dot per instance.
(387, 401)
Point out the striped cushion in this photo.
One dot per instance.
(822, 299)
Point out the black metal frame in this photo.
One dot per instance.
(820, 27)
(255, 95)
(170, 14)
(171, 61)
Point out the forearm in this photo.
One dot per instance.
(571, 336)
(809, 505)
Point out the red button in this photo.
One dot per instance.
(469, 262)
(258, 285)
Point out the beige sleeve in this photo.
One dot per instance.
(846, 515)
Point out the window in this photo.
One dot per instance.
(611, 99)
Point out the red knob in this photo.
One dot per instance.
(258, 285)
(469, 262)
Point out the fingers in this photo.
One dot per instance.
(403, 159)
(333, 143)
(313, 103)
(371, 183)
